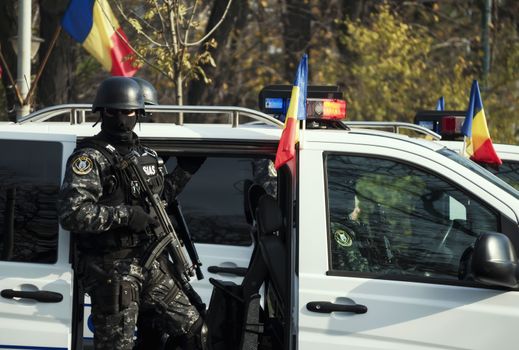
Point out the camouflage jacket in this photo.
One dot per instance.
(87, 182)
(265, 174)
(346, 250)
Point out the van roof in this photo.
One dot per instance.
(256, 127)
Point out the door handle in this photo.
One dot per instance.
(325, 307)
(40, 295)
(238, 271)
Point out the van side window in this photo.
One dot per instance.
(30, 177)
(213, 200)
(391, 218)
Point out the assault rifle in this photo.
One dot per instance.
(165, 234)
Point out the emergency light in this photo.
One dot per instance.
(325, 109)
(323, 102)
(446, 123)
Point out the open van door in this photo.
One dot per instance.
(36, 278)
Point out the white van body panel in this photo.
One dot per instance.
(401, 314)
(27, 323)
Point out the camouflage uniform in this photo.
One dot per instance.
(265, 174)
(94, 204)
(347, 248)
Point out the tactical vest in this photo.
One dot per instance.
(119, 189)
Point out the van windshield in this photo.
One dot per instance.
(508, 172)
(479, 170)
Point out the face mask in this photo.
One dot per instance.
(119, 121)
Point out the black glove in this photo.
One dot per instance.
(140, 220)
(195, 299)
(190, 164)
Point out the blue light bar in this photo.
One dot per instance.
(274, 104)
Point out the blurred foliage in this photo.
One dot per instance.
(502, 96)
(254, 57)
(391, 58)
(398, 66)
(396, 69)
(257, 56)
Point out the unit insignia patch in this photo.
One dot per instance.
(82, 165)
(343, 238)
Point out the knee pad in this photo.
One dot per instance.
(196, 338)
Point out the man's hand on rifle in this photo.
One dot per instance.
(140, 220)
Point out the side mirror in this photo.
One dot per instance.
(494, 261)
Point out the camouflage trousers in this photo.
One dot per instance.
(120, 291)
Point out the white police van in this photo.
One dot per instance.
(373, 240)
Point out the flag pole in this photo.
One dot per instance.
(464, 148)
(42, 65)
(302, 138)
(23, 71)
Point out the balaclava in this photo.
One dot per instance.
(118, 125)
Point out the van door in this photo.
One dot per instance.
(35, 273)
(214, 205)
(382, 260)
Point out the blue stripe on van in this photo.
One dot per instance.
(27, 347)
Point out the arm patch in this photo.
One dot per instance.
(82, 165)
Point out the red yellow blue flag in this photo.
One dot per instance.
(93, 24)
(296, 111)
(478, 144)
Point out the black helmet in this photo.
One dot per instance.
(148, 91)
(118, 93)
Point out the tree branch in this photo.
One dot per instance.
(127, 19)
(157, 7)
(212, 30)
(9, 75)
(190, 21)
(133, 49)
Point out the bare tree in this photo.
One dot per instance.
(169, 39)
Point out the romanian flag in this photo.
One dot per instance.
(296, 111)
(93, 24)
(478, 144)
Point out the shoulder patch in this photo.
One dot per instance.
(82, 165)
(343, 238)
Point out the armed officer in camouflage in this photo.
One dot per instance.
(151, 335)
(102, 210)
(360, 241)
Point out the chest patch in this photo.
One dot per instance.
(149, 170)
(343, 238)
(82, 165)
